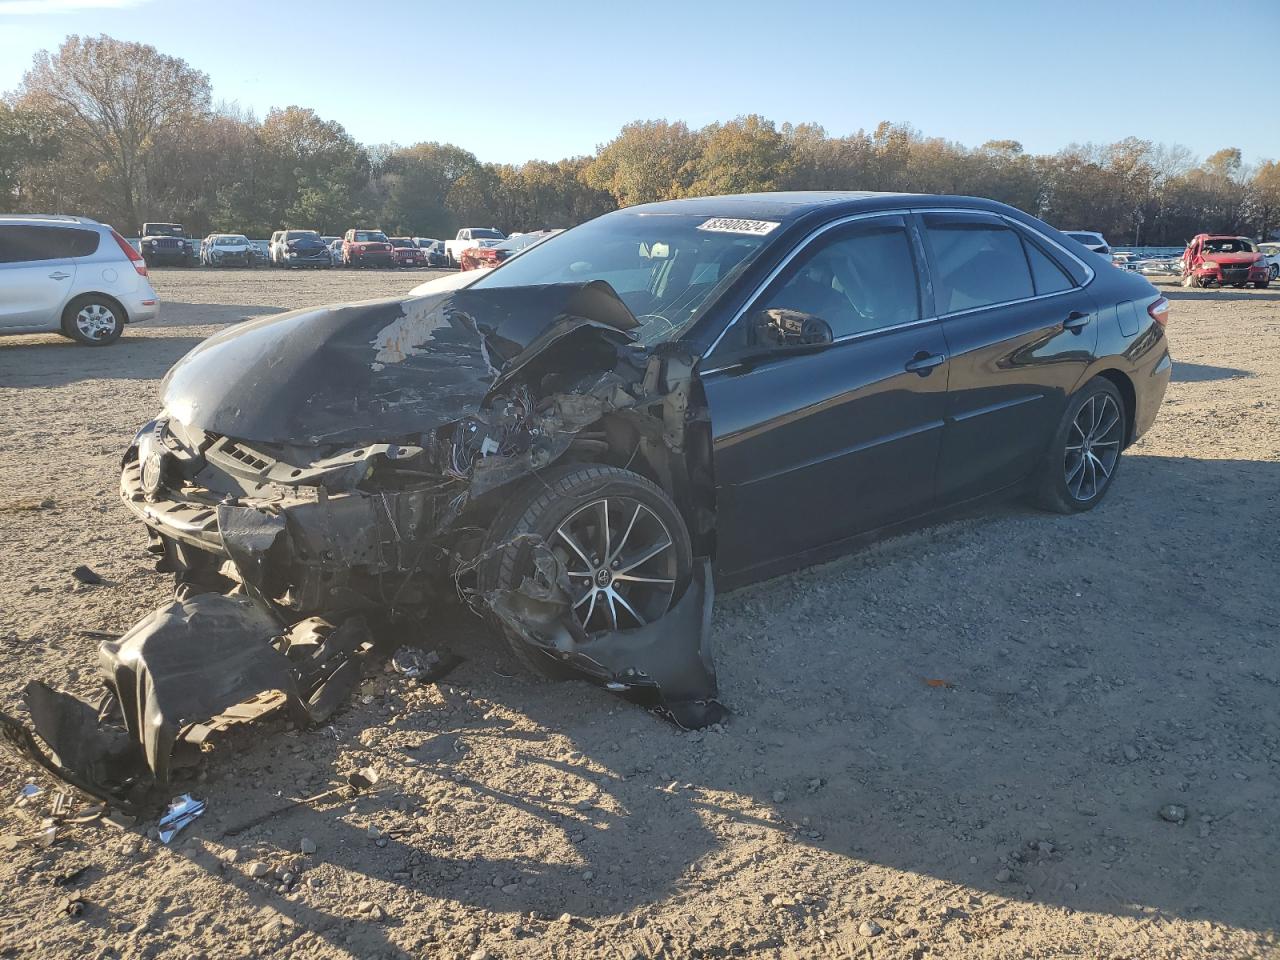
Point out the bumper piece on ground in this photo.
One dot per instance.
(183, 672)
(665, 665)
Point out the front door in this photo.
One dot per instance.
(816, 446)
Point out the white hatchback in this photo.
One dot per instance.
(73, 276)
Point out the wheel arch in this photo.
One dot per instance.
(1128, 394)
(94, 294)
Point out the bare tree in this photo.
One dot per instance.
(113, 98)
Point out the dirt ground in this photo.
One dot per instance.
(1097, 668)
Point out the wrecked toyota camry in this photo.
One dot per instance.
(575, 440)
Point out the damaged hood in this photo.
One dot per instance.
(365, 372)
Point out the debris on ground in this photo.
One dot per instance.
(426, 666)
(182, 811)
(86, 575)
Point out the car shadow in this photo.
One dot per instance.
(1178, 292)
(178, 313)
(1202, 373)
(954, 704)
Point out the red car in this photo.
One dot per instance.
(406, 253)
(366, 248)
(1216, 259)
(484, 257)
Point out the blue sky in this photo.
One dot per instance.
(549, 79)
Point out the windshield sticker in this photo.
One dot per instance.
(755, 228)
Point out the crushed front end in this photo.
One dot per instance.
(318, 478)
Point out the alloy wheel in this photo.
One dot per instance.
(1093, 447)
(96, 321)
(621, 560)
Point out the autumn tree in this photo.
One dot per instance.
(648, 160)
(110, 100)
(27, 140)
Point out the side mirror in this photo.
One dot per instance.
(781, 328)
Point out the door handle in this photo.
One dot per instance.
(922, 363)
(1076, 321)
(58, 275)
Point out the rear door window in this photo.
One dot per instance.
(977, 262)
(31, 244)
(1048, 276)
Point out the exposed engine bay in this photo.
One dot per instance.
(322, 480)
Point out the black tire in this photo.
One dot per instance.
(1056, 475)
(100, 314)
(540, 505)
(1262, 284)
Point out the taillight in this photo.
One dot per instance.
(134, 256)
(1159, 310)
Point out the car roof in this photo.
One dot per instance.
(796, 204)
(45, 219)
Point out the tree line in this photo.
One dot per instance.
(123, 133)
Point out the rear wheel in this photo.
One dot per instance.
(618, 537)
(93, 321)
(1083, 456)
(1275, 271)
(1262, 284)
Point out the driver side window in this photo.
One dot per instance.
(859, 279)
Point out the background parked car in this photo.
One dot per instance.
(1093, 241)
(73, 276)
(167, 244)
(1221, 259)
(1272, 252)
(299, 248)
(469, 237)
(366, 248)
(490, 253)
(261, 251)
(227, 250)
(335, 252)
(433, 250)
(406, 253)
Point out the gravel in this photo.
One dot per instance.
(1150, 622)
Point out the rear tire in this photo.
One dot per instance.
(636, 510)
(93, 321)
(1262, 284)
(1084, 454)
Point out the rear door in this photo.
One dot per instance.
(1020, 333)
(37, 273)
(813, 448)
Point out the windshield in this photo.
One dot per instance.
(1270, 249)
(370, 236)
(229, 241)
(1086, 238)
(300, 234)
(664, 267)
(162, 229)
(401, 242)
(1229, 245)
(478, 233)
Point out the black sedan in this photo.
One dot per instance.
(588, 436)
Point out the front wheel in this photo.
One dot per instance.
(1275, 271)
(620, 540)
(1084, 454)
(1262, 284)
(93, 321)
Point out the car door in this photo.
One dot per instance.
(813, 445)
(1019, 332)
(37, 275)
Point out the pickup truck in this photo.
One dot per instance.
(469, 237)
